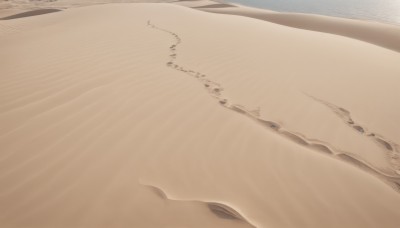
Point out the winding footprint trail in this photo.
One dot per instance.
(215, 90)
(391, 148)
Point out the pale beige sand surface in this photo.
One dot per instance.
(384, 35)
(158, 115)
(11, 7)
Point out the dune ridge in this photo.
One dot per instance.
(213, 6)
(220, 210)
(383, 35)
(367, 31)
(30, 13)
(216, 91)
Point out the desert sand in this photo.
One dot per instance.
(163, 115)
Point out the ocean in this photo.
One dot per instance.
(386, 11)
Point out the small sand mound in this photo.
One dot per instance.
(30, 13)
(213, 6)
(224, 211)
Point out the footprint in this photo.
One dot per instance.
(321, 148)
(384, 143)
(295, 138)
(223, 101)
(344, 110)
(359, 128)
(238, 108)
(269, 124)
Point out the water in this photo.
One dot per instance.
(386, 11)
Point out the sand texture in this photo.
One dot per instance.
(160, 115)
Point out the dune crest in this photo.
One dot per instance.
(361, 30)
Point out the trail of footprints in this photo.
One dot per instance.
(216, 91)
(391, 148)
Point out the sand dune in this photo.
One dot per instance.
(383, 35)
(30, 13)
(213, 6)
(158, 115)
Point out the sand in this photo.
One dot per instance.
(384, 35)
(159, 115)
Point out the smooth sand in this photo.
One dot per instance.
(384, 35)
(158, 115)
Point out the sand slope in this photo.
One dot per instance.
(383, 35)
(157, 115)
